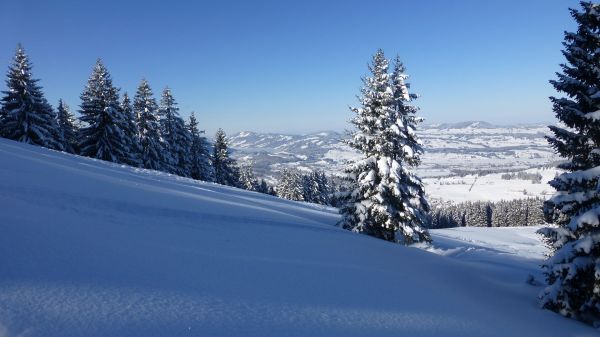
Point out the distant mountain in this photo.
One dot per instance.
(450, 148)
(462, 125)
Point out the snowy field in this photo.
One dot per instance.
(89, 248)
(489, 187)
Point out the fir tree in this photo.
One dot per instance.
(291, 185)
(176, 137)
(131, 131)
(310, 187)
(66, 127)
(103, 135)
(536, 212)
(323, 188)
(264, 188)
(200, 158)
(226, 170)
(167, 113)
(573, 271)
(386, 199)
(247, 179)
(145, 108)
(26, 114)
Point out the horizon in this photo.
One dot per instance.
(424, 124)
(292, 68)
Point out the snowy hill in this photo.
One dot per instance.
(89, 248)
(450, 149)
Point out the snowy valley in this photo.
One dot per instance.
(462, 161)
(91, 248)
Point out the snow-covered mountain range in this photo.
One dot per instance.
(450, 149)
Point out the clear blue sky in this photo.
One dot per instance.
(295, 66)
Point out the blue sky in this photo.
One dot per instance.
(295, 66)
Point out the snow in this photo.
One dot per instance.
(450, 149)
(90, 248)
(489, 187)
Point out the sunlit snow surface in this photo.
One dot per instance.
(89, 248)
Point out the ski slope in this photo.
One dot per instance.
(89, 248)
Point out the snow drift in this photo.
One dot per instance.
(89, 248)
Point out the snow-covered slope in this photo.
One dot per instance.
(88, 248)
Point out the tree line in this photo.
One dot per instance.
(139, 132)
(313, 186)
(505, 213)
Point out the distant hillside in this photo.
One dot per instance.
(450, 148)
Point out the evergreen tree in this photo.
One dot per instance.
(26, 116)
(103, 135)
(499, 215)
(131, 131)
(200, 159)
(536, 212)
(315, 187)
(226, 170)
(291, 185)
(172, 134)
(66, 127)
(573, 271)
(181, 152)
(145, 108)
(264, 188)
(386, 199)
(247, 179)
(310, 187)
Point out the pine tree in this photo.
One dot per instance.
(131, 131)
(386, 199)
(200, 158)
(226, 170)
(247, 179)
(67, 131)
(145, 108)
(103, 135)
(264, 188)
(168, 114)
(26, 114)
(536, 212)
(182, 149)
(291, 185)
(310, 187)
(573, 271)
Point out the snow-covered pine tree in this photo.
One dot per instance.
(145, 108)
(386, 199)
(174, 134)
(183, 139)
(26, 114)
(315, 187)
(573, 271)
(67, 131)
(310, 187)
(323, 197)
(131, 131)
(291, 185)
(200, 158)
(248, 180)
(103, 136)
(225, 167)
(535, 212)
